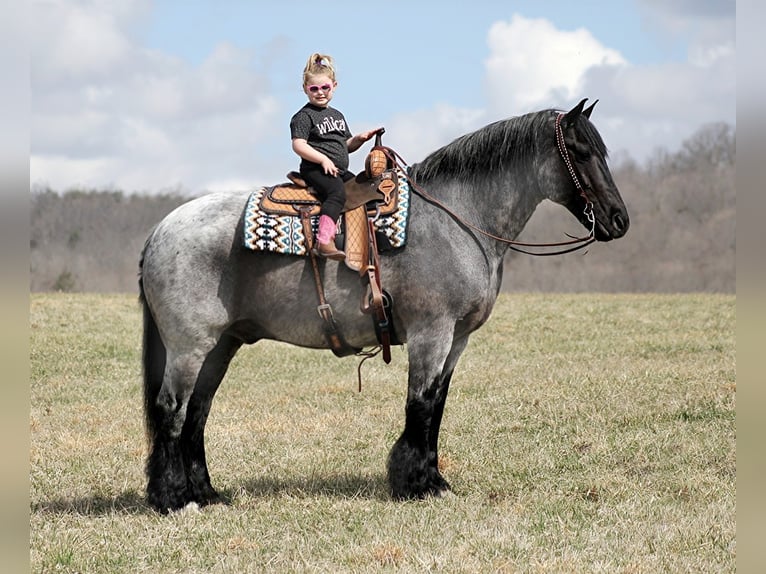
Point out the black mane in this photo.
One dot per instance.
(500, 145)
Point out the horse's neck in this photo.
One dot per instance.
(502, 205)
(499, 206)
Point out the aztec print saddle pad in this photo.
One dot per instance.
(284, 233)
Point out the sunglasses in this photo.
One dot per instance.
(323, 87)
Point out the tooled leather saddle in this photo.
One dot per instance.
(379, 195)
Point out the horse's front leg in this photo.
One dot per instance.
(413, 465)
(441, 398)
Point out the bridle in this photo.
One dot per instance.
(574, 244)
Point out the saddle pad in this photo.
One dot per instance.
(284, 233)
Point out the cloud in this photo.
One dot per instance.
(532, 64)
(106, 111)
(649, 107)
(74, 41)
(709, 26)
(642, 108)
(517, 80)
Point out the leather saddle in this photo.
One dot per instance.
(376, 195)
(290, 198)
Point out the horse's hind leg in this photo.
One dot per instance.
(193, 435)
(168, 484)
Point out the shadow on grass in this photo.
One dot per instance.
(134, 502)
(372, 487)
(129, 502)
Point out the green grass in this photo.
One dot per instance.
(583, 433)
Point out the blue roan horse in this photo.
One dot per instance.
(204, 294)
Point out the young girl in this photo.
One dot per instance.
(322, 139)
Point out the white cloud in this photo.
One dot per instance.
(72, 41)
(106, 111)
(533, 64)
(653, 106)
(64, 168)
(641, 108)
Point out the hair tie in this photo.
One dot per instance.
(320, 61)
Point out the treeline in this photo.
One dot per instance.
(682, 237)
(90, 241)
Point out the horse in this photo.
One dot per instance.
(204, 295)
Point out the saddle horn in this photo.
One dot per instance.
(377, 161)
(379, 137)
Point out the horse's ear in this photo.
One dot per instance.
(575, 112)
(589, 110)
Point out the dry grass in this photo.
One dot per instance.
(583, 433)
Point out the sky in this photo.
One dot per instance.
(197, 95)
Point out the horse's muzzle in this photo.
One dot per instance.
(617, 225)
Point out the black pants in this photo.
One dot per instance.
(330, 189)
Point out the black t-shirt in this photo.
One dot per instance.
(324, 129)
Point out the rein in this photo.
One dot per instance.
(576, 242)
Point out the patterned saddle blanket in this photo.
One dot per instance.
(272, 222)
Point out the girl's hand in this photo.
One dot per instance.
(329, 167)
(365, 136)
(356, 142)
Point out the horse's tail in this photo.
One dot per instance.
(153, 359)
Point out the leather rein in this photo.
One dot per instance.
(574, 244)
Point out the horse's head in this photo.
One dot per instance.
(582, 163)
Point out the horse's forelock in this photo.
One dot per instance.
(589, 132)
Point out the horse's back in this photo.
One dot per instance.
(211, 215)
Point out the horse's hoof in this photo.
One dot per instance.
(214, 499)
(440, 490)
(167, 505)
(190, 508)
(445, 493)
(207, 495)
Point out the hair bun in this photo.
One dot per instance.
(319, 64)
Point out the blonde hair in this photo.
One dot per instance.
(319, 64)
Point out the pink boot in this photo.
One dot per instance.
(325, 243)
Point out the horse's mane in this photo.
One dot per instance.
(500, 145)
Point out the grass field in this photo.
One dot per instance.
(583, 433)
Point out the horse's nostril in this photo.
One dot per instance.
(619, 223)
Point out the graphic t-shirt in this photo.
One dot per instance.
(325, 130)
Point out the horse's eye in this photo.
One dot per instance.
(582, 152)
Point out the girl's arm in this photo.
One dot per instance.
(304, 150)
